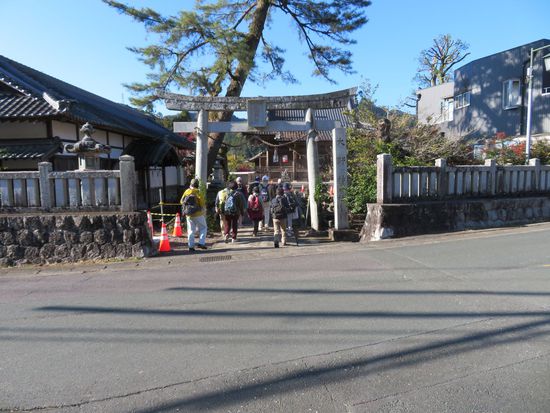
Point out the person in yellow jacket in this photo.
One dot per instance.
(193, 207)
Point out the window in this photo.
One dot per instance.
(546, 75)
(462, 100)
(446, 110)
(511, 94)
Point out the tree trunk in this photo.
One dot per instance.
(235, 88)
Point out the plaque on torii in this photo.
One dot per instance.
(257, 109)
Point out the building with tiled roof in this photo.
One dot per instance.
(39, 114)
(286, 151)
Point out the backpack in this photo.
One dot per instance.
(230, 207)
(277, 208)
(291, 201)
(264, 193)
(190, 205)
(255, 204)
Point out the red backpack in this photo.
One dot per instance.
(255, 204)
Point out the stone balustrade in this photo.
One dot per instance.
(48, 190)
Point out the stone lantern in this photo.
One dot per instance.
(87, 149)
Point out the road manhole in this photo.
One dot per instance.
(215, 258)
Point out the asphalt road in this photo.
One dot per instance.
(452, 323)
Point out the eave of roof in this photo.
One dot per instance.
(39, 148)
(71, 102)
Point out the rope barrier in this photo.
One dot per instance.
(163, 215)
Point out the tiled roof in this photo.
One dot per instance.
(40, 149)
(70, 102)
(17, 107)
(337, 114)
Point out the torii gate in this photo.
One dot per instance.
(257, 122)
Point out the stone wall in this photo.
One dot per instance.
(65, 237)
(401, 220)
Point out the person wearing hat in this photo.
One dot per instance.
(266, 202)
(255, 183)
(193, 207)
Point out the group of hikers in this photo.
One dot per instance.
(262, 202)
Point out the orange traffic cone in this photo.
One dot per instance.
(164, 245)
(150, 223)
(303, 189)
(177, 227)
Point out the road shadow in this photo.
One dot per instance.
(249, 387)
(316, 291)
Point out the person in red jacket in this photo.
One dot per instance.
(255, 209)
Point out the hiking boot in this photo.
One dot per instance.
(191, 249)
(276, 244)
(202, 247)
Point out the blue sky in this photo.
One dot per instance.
(84, 42)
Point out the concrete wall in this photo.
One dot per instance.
(400, 220)
(484, 79)
(429, 103)
(61, 238)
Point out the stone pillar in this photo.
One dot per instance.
(46, 186)
(201, 149)
(312, 170)
(384, 182)
(127, 184)
(340, 167)
(492, 176)
(535, 181)
(442, 181)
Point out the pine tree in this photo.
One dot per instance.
(217, 46)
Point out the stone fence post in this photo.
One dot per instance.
(46, 192)
(442, 179)
(384, 179)
(127, 184)
(535, 163)
(492, 179)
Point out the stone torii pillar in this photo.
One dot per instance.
(201, 150)
(312, 169)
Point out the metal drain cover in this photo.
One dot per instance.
(215, 258)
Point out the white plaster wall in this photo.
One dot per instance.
(11, 130)
(66, 131)
(171, 175)
(115, 140)
(155, 177)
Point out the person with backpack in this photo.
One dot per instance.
(193, 207)
(232, 207)
(279, 211)
(244, 192)
(292, 205)
(266, 202)
(255, 209)
(218, 205)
